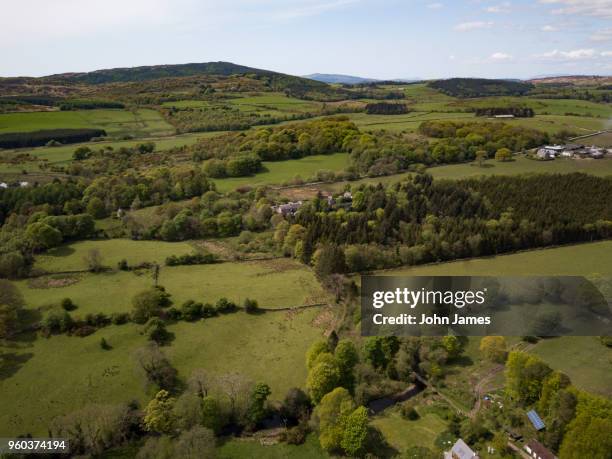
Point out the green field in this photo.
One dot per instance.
(242, 447)
(583, 358)
(278, 172)
(139, 123)
(403, 434)
(409, 122)
(48, 377)
(71, 257)
(522, 165)
(602, 140)
(274, 284)
(573, 260)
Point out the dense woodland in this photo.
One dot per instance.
(384, 108)
(480, 87)
(40, 138)
(422, 221)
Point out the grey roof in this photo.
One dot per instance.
(534, 446)
(462, 451)
(536, 420)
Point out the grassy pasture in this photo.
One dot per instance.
(71, 257)
(540, 106)
(141, 122)
(240, 447)
(48, 377)
(583, 358)
(273, 283)
(523, 165)
(409, 122)
(579, 260)
(602, 140)
(278, 172)
(403, 434)
(264, 103)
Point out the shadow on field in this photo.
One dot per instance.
(62, 251)
(12, 362)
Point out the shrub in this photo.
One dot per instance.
(408, 412)
(119, 318)
(172, 314)
(155, 330)
(225, 306)
(191, 259)
(123, 265)
(58, 322)
(97, 320)
(251, 306)
(68, 305)
(148, 303)
(296, 435)
(208, 310)
(190, 310)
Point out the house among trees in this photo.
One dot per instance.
(289, 208)
(460, 450)
(538, 451)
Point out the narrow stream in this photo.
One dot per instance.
(381, 404)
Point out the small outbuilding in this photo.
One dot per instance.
(536, 420)
(460, 450)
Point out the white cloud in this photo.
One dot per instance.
(602, 35)
(500, 56)
(501, 8)
(597, 8)
(576, 54)
(435, 6)
(548, 28)
(475, 25)
(606, 54)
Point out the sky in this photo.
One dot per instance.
(370, 38)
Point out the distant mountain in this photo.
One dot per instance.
(336, 78)
(155, 72)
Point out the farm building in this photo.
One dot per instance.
(3, 185)
(460, 450)
(542, 153)
(553, 150)
(538, 451)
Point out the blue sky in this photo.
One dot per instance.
(371, 38)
